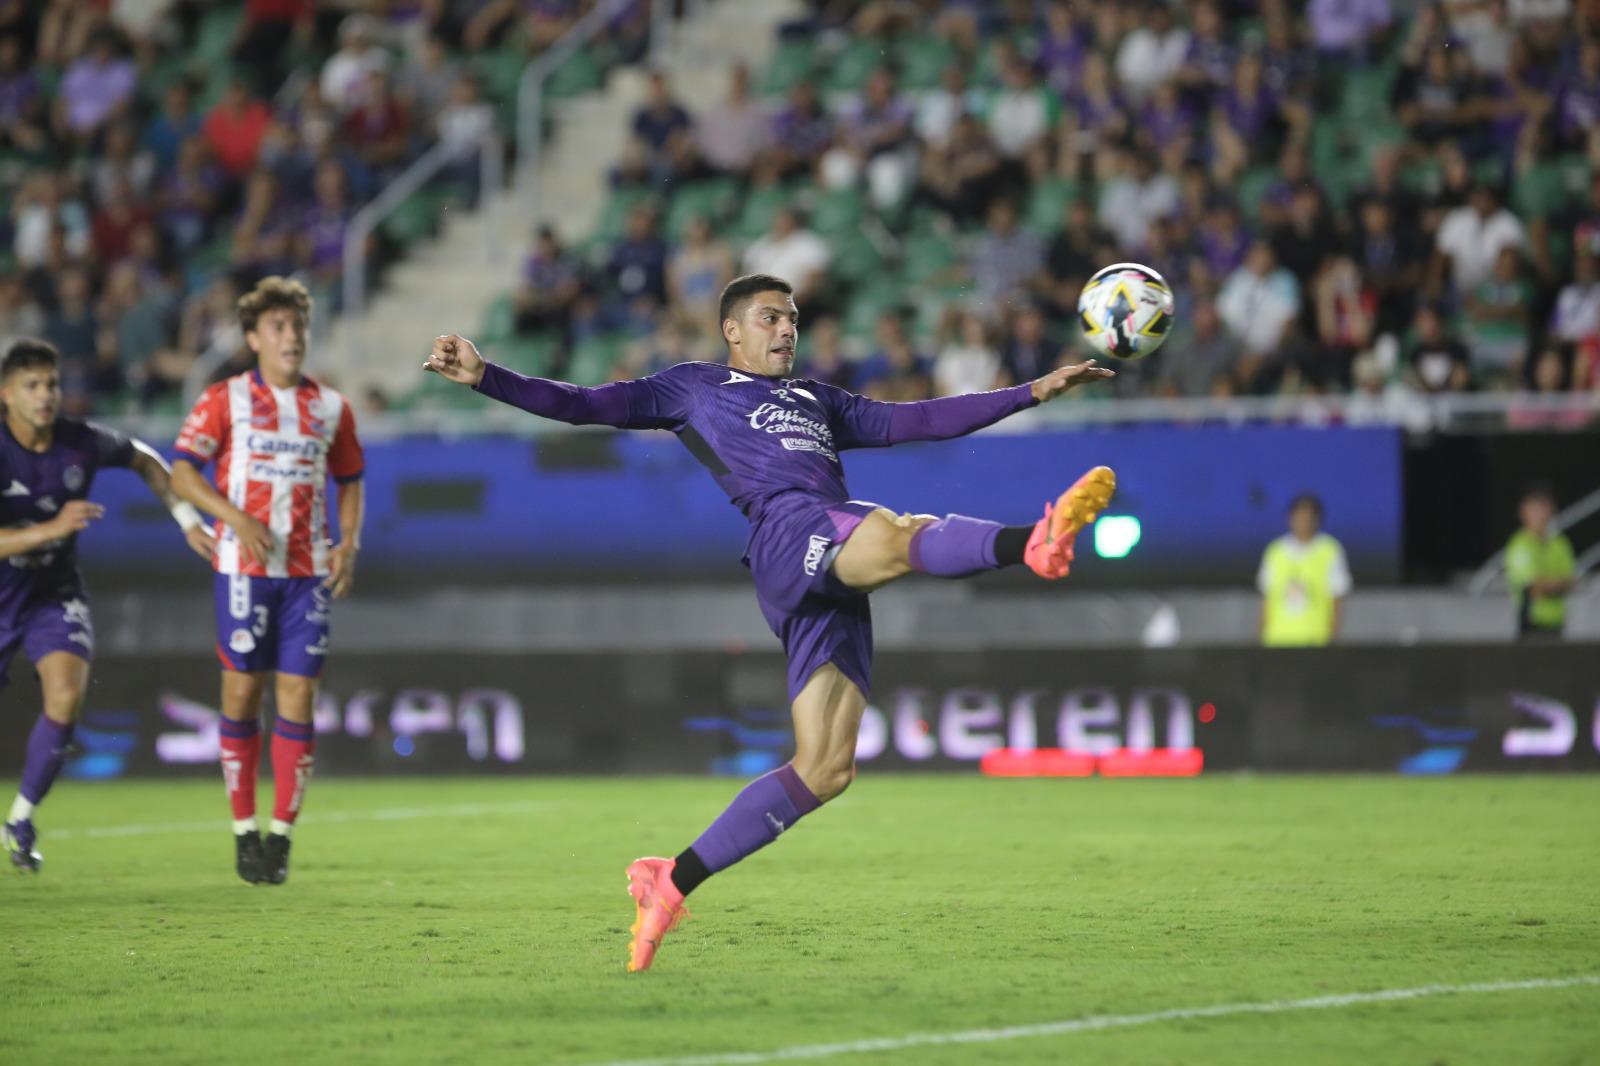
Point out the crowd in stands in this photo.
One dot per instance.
(1356, 196)
(159, 156)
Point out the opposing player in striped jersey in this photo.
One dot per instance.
(276, 437)
(47, 465)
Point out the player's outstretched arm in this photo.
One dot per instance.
(74, 517)
(155, 473)
(456, 359)
(956, 416)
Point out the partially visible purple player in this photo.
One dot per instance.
(771, 441)
(47, 464)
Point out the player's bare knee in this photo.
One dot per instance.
(63, 701)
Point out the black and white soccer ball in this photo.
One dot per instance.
(1126, 310)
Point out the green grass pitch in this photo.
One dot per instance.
(485, 921)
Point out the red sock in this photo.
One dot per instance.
(241, 752)
(293, 745)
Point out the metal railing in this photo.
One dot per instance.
(529, 146)
(365, 222)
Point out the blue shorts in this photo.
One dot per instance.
(272, 623)
(55, 619)
(819, 619)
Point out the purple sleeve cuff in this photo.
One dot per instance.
(190, 457)
(573, 404)
(955, 416)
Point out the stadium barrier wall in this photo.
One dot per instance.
(1207, 500)
(1422, 710)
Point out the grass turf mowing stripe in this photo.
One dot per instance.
(387, 814)
(1106, 1021)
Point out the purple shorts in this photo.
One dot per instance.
(56, 619)
(818, 619)
(272, 623)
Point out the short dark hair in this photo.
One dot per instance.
(270, 294)
(739, 291)
(1307, 499)
(1540, 490)
(28, 353)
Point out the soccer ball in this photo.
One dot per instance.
(1126, 310)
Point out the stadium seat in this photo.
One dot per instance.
(593, 358)
(922, 61)
(853, 64)
(791, 64)
(836, 211)
(1047, 202)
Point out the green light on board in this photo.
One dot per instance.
(1115, 535)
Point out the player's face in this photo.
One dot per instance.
(279, 341)
(33, 396)
(766, 335)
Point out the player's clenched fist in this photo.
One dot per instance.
(455, 358)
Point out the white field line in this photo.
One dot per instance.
(384, 814)
(1103, 1021)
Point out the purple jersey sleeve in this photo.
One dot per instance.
(660, 401)
(862, 423)
(112, 447)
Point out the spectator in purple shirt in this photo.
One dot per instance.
(96, 88)
(550, 286)
(1345, 28)
(188, 195)
(1064, 46)
(1223, 240)
(1208, 67)
(22, 119)
(1579, 107)
(322, 232)
(802, 131)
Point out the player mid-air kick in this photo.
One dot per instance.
(47, 464)
(771, 440)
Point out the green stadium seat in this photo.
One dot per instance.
(499, 320)
(922, 61)
(712, 198)
(1046, 204)
(755, 216)
(792, 62)
(850, 69)
(215, 37)
(1250, 187)
(592, 359)
(501, 72)
(583, 72)
(926, 255)
(855, 258)
(614, 215)
(836, 211)
(525, 355)
(414, 219)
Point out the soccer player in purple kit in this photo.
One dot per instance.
(47, 464)
(771, 441)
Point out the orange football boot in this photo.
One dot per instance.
(1050, 549)
(660, 909)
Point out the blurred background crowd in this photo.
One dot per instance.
(1371, 197)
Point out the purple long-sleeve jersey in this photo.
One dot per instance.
(760, 437)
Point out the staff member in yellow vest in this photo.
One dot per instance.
(1303, 580)
(1539, 568)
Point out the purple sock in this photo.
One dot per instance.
(767, 806)
(47, 750)
(955, 546)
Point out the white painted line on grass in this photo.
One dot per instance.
(1103, 1021)
(383, 814)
